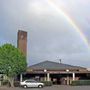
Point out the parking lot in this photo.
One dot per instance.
(54, 87)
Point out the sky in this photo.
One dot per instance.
(57, 29)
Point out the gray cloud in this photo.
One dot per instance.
(49, 35)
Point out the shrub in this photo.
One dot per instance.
(47, 83)
(80, 82)
(5, 83)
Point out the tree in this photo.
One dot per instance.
(12, 62)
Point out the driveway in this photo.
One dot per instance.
(54, 87)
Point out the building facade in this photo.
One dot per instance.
(58, 73)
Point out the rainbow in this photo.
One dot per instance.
(68, 18)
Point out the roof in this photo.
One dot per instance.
(49, 65)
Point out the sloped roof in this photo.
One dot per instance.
(49, 65)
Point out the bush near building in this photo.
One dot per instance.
(80, 82)
(7, 83)
(47, 83)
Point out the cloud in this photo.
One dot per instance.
(49, 34)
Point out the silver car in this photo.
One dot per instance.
(31, 83)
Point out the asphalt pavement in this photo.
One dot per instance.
(54, 87)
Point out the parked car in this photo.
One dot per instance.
(31, 83)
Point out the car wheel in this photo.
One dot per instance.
(40, 86)
(25, 86)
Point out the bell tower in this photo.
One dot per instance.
(22, 41)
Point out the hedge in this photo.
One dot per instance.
(6, 83)
(47, 83)
(80, 82)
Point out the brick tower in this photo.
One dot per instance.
(22, 41)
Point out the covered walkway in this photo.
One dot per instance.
(58, 73)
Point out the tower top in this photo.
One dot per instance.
(22, 31)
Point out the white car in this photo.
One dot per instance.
(31, 83)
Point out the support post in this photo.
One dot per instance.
(48, 77)
(0, 79)
(73, 76)
(21, 77)
(67, 70)
(67, 80)
(45, 72)
(45, 79)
